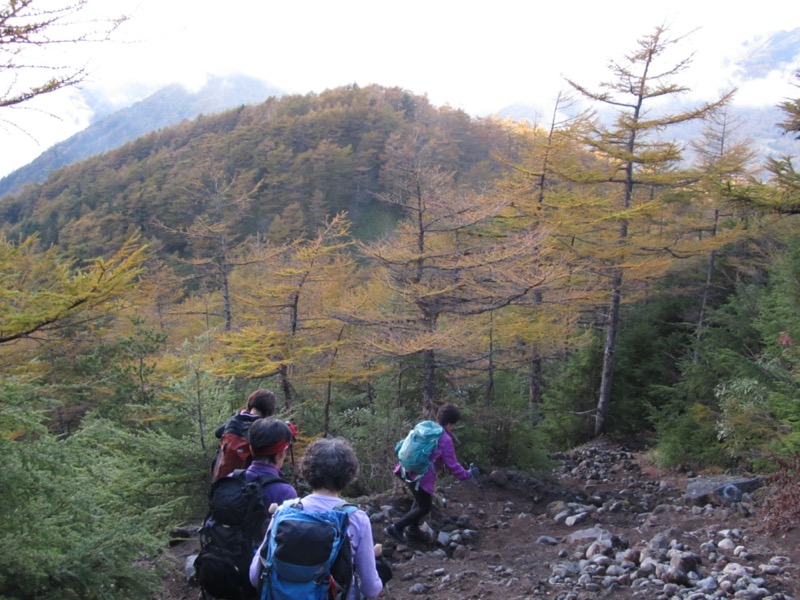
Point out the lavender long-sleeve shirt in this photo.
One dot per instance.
(366, 580)
(444, 455)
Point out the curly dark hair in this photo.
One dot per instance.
(448, 413)
(329, 464)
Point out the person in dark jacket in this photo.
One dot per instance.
(233, 451)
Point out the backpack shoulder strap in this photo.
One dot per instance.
(262, 480)
(346, 507)
(267, 478)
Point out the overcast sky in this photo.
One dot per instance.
(478, 56)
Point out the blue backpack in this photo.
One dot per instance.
(414, 452)
(308, 554)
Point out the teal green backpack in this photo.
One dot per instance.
(414, 452)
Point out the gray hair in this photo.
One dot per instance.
(330, 464)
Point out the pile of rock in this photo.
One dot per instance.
(451, 537)
(605, 497)
(720, 566)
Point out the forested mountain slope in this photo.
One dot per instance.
(296, 159)
(166, 107)
(518, 262)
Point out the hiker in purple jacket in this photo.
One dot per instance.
(270, 439)
(422, 488)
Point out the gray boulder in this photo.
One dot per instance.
(720, 488)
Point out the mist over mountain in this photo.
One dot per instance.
(778, 52)
(168, 106)
(761, 59)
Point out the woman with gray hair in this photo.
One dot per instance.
(328, 466)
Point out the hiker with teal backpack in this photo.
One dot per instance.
(320, 546)
(428, 447)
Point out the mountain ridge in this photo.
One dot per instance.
(166, 107)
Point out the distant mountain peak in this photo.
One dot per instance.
(167, 106)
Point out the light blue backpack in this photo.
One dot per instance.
(308, 554)
(414, 452)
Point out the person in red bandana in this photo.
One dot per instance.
(270, 440)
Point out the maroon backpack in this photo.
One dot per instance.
(234, 450)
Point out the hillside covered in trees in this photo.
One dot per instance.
(168, 106)
(369, 256)
(295, 160)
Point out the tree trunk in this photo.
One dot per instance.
(604, 397)
(326, 419)
(698, 334)
(200, 415)
(286, 387)
(535, 390)
(226, 297)
(488, 395)
(535, 377)
(429, 383)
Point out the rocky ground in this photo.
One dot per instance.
(608, 524)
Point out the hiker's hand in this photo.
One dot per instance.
(474, 471)
(378, 549)
(384, 570)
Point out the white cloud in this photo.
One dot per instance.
(478, 56)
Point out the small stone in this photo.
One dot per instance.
(188, 567)
(770, 569)
(547, 540)
(734, 570)
(573, 520)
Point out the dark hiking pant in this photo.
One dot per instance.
(423, 503)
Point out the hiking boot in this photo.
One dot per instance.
(417, 535)
(394, 533)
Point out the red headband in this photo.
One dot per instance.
(272, 450)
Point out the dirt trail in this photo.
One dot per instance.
(521, 543)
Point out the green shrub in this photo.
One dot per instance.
(80, 517)
(688, 438)
(570, 397)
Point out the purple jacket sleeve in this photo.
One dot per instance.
(448, 458)
(443, 456)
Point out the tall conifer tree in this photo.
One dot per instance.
(634, 169)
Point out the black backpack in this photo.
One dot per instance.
(232, 531)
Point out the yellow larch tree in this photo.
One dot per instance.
(285, 329)
(544, 324)
(42, 292)
(626, 229)
(449, 260)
